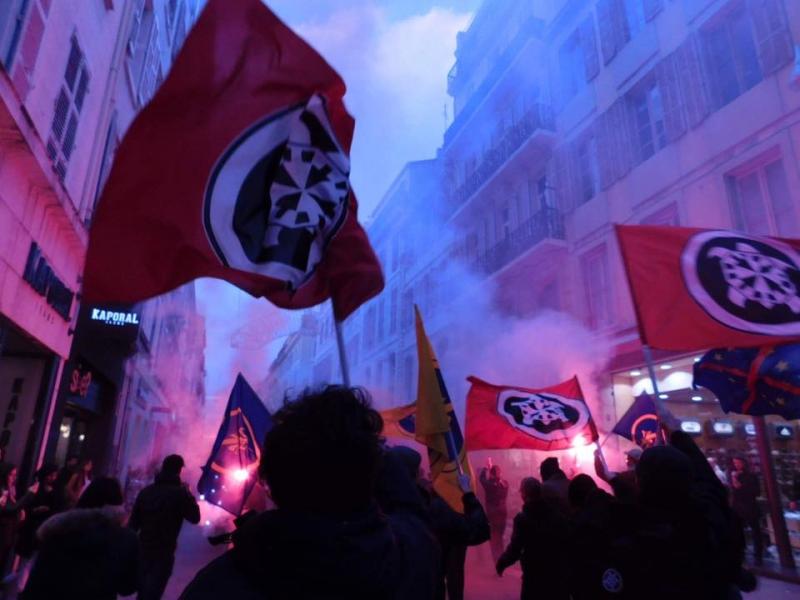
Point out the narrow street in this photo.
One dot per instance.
(482, 584)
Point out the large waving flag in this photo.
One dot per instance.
(503, 416)
(437, 426)
(696, 288)
(640, 423)
(232, 469)
(753, 381)
(237, 169)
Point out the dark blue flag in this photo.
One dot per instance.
(640, 423)
(232, 469)
(753, 381)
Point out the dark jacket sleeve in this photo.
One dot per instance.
(191, 510)
(514, 550)
(128, 582)
(469, 529)
(135, 521)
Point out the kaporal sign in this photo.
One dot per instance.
(115, 318)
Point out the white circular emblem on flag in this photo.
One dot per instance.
(612, 581)
(544, 416)
(745, 282)
(278, 195)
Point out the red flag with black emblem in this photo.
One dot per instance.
(552, 418)
(700, 288)
(237, 169)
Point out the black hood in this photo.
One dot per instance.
(300, 555)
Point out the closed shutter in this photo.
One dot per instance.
(692, 81)
(589, 47)
(605, 23)
(60, 114)
(773, 38)
(605, 150)
(623, 142)
(652, 8)
(667, 78)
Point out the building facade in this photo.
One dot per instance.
(65, 369)
(571, 116)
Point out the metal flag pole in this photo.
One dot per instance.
(773, 495)
(337, 325)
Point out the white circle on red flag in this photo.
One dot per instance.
(745, 282)
(544, 416)
(278, 194)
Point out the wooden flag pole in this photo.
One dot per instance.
(337, 325)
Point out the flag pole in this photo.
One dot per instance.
(773, 495)
(337, 325)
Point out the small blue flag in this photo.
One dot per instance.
(640, 423)
(753, 381)
(232, 469)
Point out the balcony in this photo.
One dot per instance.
(534, 131)
(547, 224)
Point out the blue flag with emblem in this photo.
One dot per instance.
(232, 469)
(640, 423)
(753, 381)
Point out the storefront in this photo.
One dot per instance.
(86, 413)
(722, 437)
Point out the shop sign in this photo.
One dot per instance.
(784, 432)
(749, 429)
(691, 427)
(79, 382)
(39, 274)
(115, 318)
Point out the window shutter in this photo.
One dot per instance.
(80, 93)
(692, 81)
(605, 22)
(667, 78)
(621, 33)
(652, 8)
(589, 47)
(773, 38)
(69, 136)
(60, 115)
(622, 140)
(605, 149)
(73, 64)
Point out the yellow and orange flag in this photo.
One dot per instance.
(436, 425)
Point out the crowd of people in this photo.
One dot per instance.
(356, 518)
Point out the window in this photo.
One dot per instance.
(381, 319)
(543, 195)
(68, 106)
(634, 17)
(589, 169)
(391, 376)
(369, 328)
(504, 222)
(762, 203)
(649, 111)
(573, 68)
(151, 72)
(595, 280)
(393, 312)
(136, 26)
(407, 317)
(408, 377)
(731, 57)
(171, 9)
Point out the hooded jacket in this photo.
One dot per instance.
(84, 554)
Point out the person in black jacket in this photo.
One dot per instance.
(9, 513)
(158, 514)
(455, 531)
(86, 553)
(745, 490)
(328, 539)
(539, 542)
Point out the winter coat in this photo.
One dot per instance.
(158, 514)
(84, 554)
(539, 541)
(745, 498)
(555, 491)
(282, 555)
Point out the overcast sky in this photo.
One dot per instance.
(394, 56)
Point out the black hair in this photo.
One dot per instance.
(324, 451)
(579, 490)
(549, 467)
(172, 465)
(102, 491)
(44, 471)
